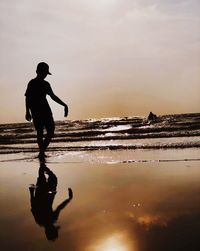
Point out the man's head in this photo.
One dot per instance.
(43, 69)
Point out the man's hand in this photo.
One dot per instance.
(70, 193)
(66, 111)
(28, 116)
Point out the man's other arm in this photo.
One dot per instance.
(28, 114)
(60, 102)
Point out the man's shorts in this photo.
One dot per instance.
(44, 122)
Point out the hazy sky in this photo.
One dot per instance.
(108, 57)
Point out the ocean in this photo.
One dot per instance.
(167, 132)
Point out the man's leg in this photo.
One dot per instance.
(40, 140)
(38, 123)
(50, 127)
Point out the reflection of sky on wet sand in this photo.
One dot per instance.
(126, 207)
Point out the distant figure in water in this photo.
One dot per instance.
(42, 197)
(38, 109)
(152, 116)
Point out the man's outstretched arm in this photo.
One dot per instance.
(60, 102)
(63, 204)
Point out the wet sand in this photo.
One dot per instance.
(122, 207)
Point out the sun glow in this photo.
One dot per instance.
(115, 242)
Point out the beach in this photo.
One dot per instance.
(132, 206)
(122, 198)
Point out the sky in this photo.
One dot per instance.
(108, 58)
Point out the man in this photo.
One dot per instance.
(38, 109)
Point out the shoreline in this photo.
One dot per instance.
(108, 156)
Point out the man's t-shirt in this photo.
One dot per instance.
(36, 94)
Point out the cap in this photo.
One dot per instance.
(43, 67)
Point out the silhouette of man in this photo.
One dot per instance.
(42, 196)
(38, 109)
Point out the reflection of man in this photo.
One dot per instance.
(42, 196)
